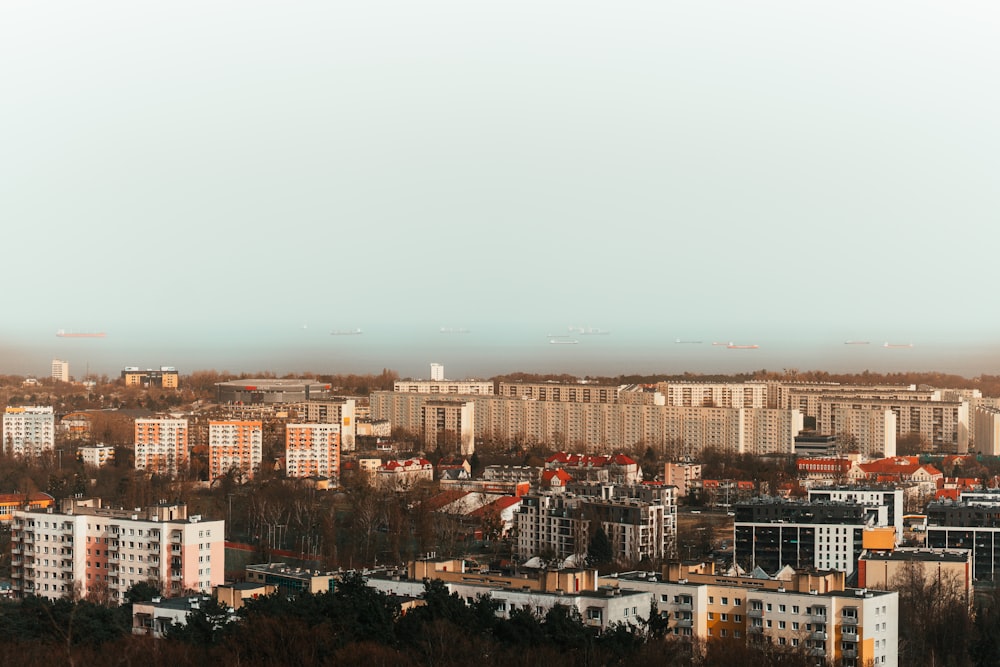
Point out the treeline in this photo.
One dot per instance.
(354, 625)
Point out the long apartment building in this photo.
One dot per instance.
(640, 522)
(235, 445)
(454, 387)
(813, 611)
(714, 394)
(86, 550)
(29, 430)
(312, 450)
(806, 396)
(944, 424)
(599, 426)
(161, 446)
(559, 392)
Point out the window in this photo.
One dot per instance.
(725, 617)
(725, 600)
(781, 608)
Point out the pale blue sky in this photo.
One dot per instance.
(202, 179)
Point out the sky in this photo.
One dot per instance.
(222, 184)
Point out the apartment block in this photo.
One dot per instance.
(987, 433)
(944, 424)
(449, 425)
(312, 450)
(551, 391)
(235, 446)
(28, 431)
(442, 386)
(801, 608)
(342, 411)
(870, 496)
(536, 591)
(868, 431)
(640, 522)
(96, 456)
(161, 446)
(714, 394)
(972, 523)
(771, 534)
(596, 425)
(165, 377)
(60, 370)
(88, 550)
(806, 396)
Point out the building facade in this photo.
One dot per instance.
(87, 550)
(336, 410)
(60, 370)
(312, 450)
(161, 446)
(236, 446)
(166, 377)
(28, 431)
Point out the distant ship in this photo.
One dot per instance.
(563, 342)
(591, 331)
(450, 330)
(856, 342)
(722, 344)
(346, 332)
(692, 342)
(731, 346)
(67, 334)
(897, 346)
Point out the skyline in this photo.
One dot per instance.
(487, 353)
(201, 180)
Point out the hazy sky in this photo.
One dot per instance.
(203, 179)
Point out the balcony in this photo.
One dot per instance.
(755, 613)
(818, 618)
(849, 653)
(684, 623)
(818, 635)
(684, 606)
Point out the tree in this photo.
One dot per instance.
(600, 551)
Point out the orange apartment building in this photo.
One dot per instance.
(161, 446)
(235, 445)
(312, 450)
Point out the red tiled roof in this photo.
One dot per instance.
(558, 473)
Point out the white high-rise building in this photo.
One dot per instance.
(161, 446)
(84, 550)
(29, 431)
(437, 372)
(60, 370)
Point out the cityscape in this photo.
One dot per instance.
(786, 518)
(529, 333)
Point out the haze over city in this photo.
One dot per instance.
(223, 185)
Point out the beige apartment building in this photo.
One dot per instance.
(805, 396)
(342, 411)
(872, 432)
(944, 424)
(161, 446)
(598, 427)
(235, 445)
(798, 608)
(552, 391)
(714, 394)
(459, 387)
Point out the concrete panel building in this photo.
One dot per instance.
(85, 549)
(161, 446)
(312, 450)
(235, 446)
(28, 431)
